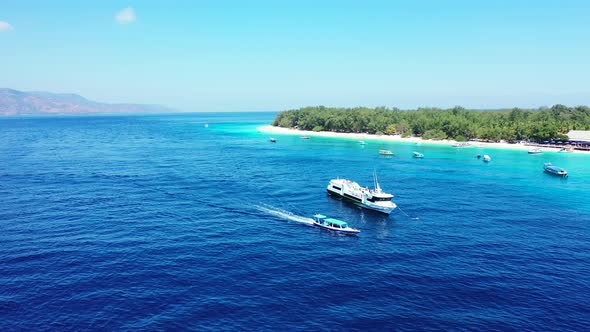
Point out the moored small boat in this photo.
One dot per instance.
(332, 224)
(486, 158)
(304, 137)
(566, 150)
(362, 142)
(554, 170)
(385, 152)
(535, 151)
(418, 155)
(272, 139)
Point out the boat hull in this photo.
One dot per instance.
(358, 202)
(556, 173)
(338, 230)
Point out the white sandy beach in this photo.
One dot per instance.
(397, 138)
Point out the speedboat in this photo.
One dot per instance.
(535, 151)
(373, 199)
(551, 169)
(486, 158)
(333, 224)
(418, 155)
(385, 152)
(272, 139)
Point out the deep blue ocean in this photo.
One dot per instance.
(160, 223)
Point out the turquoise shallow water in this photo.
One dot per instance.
(157, 222)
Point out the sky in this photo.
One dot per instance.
(254, 55)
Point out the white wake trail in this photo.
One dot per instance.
(283, 214)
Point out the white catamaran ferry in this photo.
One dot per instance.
(374, 199)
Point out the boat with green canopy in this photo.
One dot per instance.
(332, 224)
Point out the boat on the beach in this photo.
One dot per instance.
(272, 139)
(332, 224)
(554, 170)
(535, 151)
(486, 158)
(418, 155)
(566, 150)
(385, 152)
(373, 199)
(461, 144)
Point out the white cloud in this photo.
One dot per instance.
(5, 26)
(126, 16)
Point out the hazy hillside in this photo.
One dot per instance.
(14, 102)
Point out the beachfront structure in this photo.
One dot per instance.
(580, 139)
(579, 136)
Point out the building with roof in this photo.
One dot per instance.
(579, 136)
(579, 139)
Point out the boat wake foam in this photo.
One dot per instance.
(283, 214)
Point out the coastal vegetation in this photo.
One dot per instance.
(432, 123)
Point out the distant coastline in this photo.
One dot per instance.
(40, 103)
(398, 138)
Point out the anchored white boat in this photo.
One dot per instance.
(373, 199)
(486, 158)
(418, 155)
(272, 139)
(535, 151)
(333, 224)
(385, 152)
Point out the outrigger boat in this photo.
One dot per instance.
(333, 224)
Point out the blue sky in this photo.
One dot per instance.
(274, 55)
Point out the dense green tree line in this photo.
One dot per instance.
(455, 123)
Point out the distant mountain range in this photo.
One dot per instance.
(14, 102)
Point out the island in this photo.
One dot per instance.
(459, 124)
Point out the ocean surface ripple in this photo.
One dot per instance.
(161, 223)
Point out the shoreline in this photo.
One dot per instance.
(398, 139)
